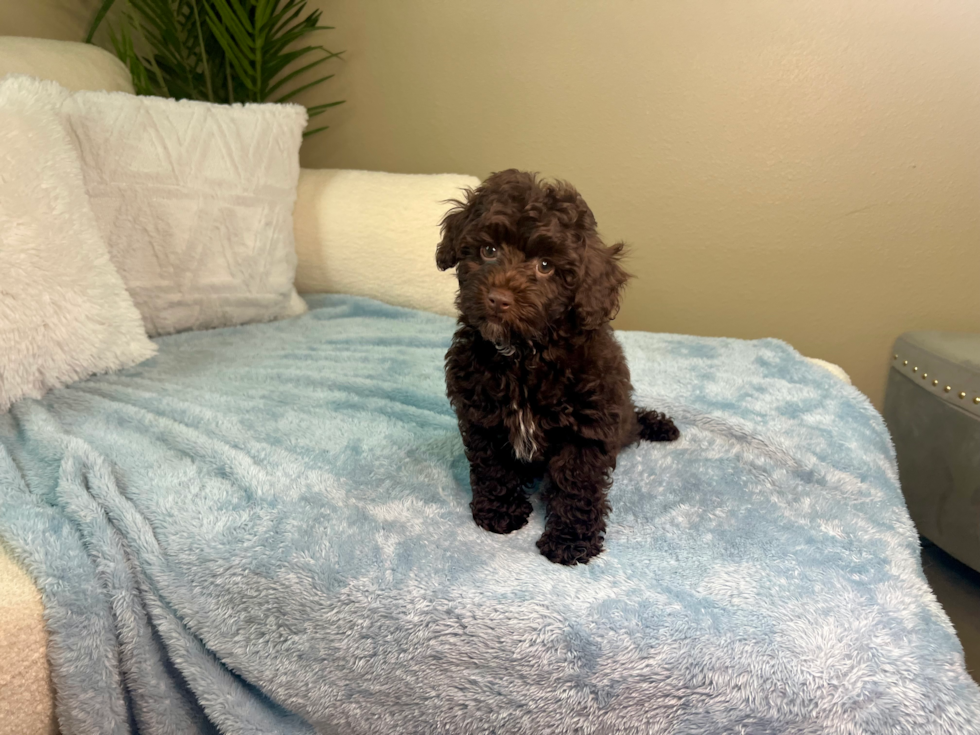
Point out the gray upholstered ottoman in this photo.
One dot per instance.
(932, 408)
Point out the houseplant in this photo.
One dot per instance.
(221, 51)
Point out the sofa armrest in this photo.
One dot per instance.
(26, 693)
(836, 370)
(73, 65)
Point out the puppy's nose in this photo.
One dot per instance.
(500, 300)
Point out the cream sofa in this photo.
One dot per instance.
(409, 275)
(344, 225)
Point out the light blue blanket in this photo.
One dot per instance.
(266, 529)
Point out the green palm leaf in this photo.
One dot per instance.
(218, 50)
(100, 15)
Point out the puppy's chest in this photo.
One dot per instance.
(523, 424)
(527, 410)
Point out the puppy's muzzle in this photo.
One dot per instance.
(499, 301)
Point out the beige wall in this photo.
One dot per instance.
(62, 20)
(803, 170)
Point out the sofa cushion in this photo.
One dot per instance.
(368, 233)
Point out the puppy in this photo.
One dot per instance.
(538, 382)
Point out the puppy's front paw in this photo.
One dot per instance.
(501, 518)
(569, 550)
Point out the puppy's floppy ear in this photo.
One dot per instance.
(450, 249)
(600, 284)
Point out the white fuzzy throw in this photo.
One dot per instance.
(64, 312)
(195, 201)
(375, 234)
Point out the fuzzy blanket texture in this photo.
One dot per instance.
(65, 313)
(265, 529)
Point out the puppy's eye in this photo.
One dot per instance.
(488, 252)
(545, 267)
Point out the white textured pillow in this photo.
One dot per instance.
(195, 202)
(64, 312)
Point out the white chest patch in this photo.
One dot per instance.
(522, 434)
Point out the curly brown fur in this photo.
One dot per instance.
(539, 383)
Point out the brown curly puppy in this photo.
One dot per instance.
(536, 378)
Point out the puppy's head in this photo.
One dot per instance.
(529, 260)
